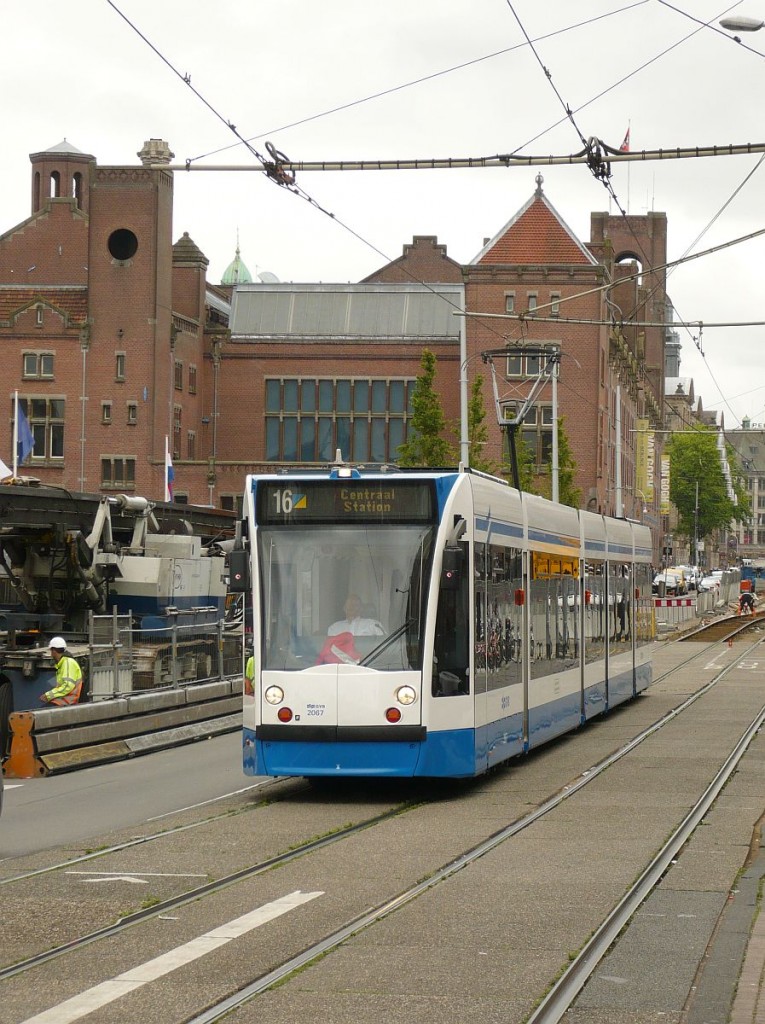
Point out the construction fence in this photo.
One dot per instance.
(187, 649)
(671, 612)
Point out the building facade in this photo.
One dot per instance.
(105, 324)
(119, 342)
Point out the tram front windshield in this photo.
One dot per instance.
(350, 593)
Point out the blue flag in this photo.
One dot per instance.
(26, 442)
(169, 476)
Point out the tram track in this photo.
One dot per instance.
(717, 631)
(263, 788)
(360, 922)
(564, 991)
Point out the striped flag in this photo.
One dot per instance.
(169, 474)
(625, 146)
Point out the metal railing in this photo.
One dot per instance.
(182, 652)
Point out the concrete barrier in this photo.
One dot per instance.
(60, 739)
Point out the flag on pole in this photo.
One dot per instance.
(5, 471)
(625, 146)
(26, 441)
(169, 474)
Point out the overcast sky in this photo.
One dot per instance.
(79, 71)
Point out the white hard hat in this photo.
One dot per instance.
(58, 643)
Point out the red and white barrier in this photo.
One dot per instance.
(674, 602)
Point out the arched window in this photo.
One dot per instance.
(55, 185)
(627, 258)
(36, 198)
(77, 188)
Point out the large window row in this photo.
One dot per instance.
(308, 419)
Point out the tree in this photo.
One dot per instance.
(541, 483)
(425, 446)
(568, 494)
(526, 467)
(696, 474)
(478, 435)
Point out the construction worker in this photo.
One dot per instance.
(746, 603)
(249, 676)
(68, 676)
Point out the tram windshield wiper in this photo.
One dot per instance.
(385, 644)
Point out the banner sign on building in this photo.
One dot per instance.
(664, 503)
(645, 454)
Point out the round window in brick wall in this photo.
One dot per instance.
(123, 244)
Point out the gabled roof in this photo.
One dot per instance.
(71, 302)
(536, 236)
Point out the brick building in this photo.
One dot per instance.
(105, 324)
(611, 375)
(118, 341)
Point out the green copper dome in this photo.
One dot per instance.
(236, 272)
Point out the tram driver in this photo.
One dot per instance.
(354, 622)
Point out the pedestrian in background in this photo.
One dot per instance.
(68, 676)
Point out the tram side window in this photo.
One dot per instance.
(451, 658)
(646, 625)
(619, 606)
(595, 611)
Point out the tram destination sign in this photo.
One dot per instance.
(299, 502)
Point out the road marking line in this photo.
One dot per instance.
(101, 995)
(135, 874)
(212, 800)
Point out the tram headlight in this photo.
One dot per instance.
(406, 695)
(274, 695)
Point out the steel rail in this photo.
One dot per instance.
(156, 836)
(561, 997)
(137, 840)
(192, 895)
(218, 1011)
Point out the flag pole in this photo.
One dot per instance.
(15, 432)
(164, 470)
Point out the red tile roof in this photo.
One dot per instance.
(72, 302)
(535, 236)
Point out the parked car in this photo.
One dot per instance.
(673, 583)
(709, 583)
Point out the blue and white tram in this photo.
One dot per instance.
(431, 623)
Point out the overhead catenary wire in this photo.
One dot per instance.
(422, 79)
(479, 162)
(282, 171)
(532, 318)
(600, 167)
